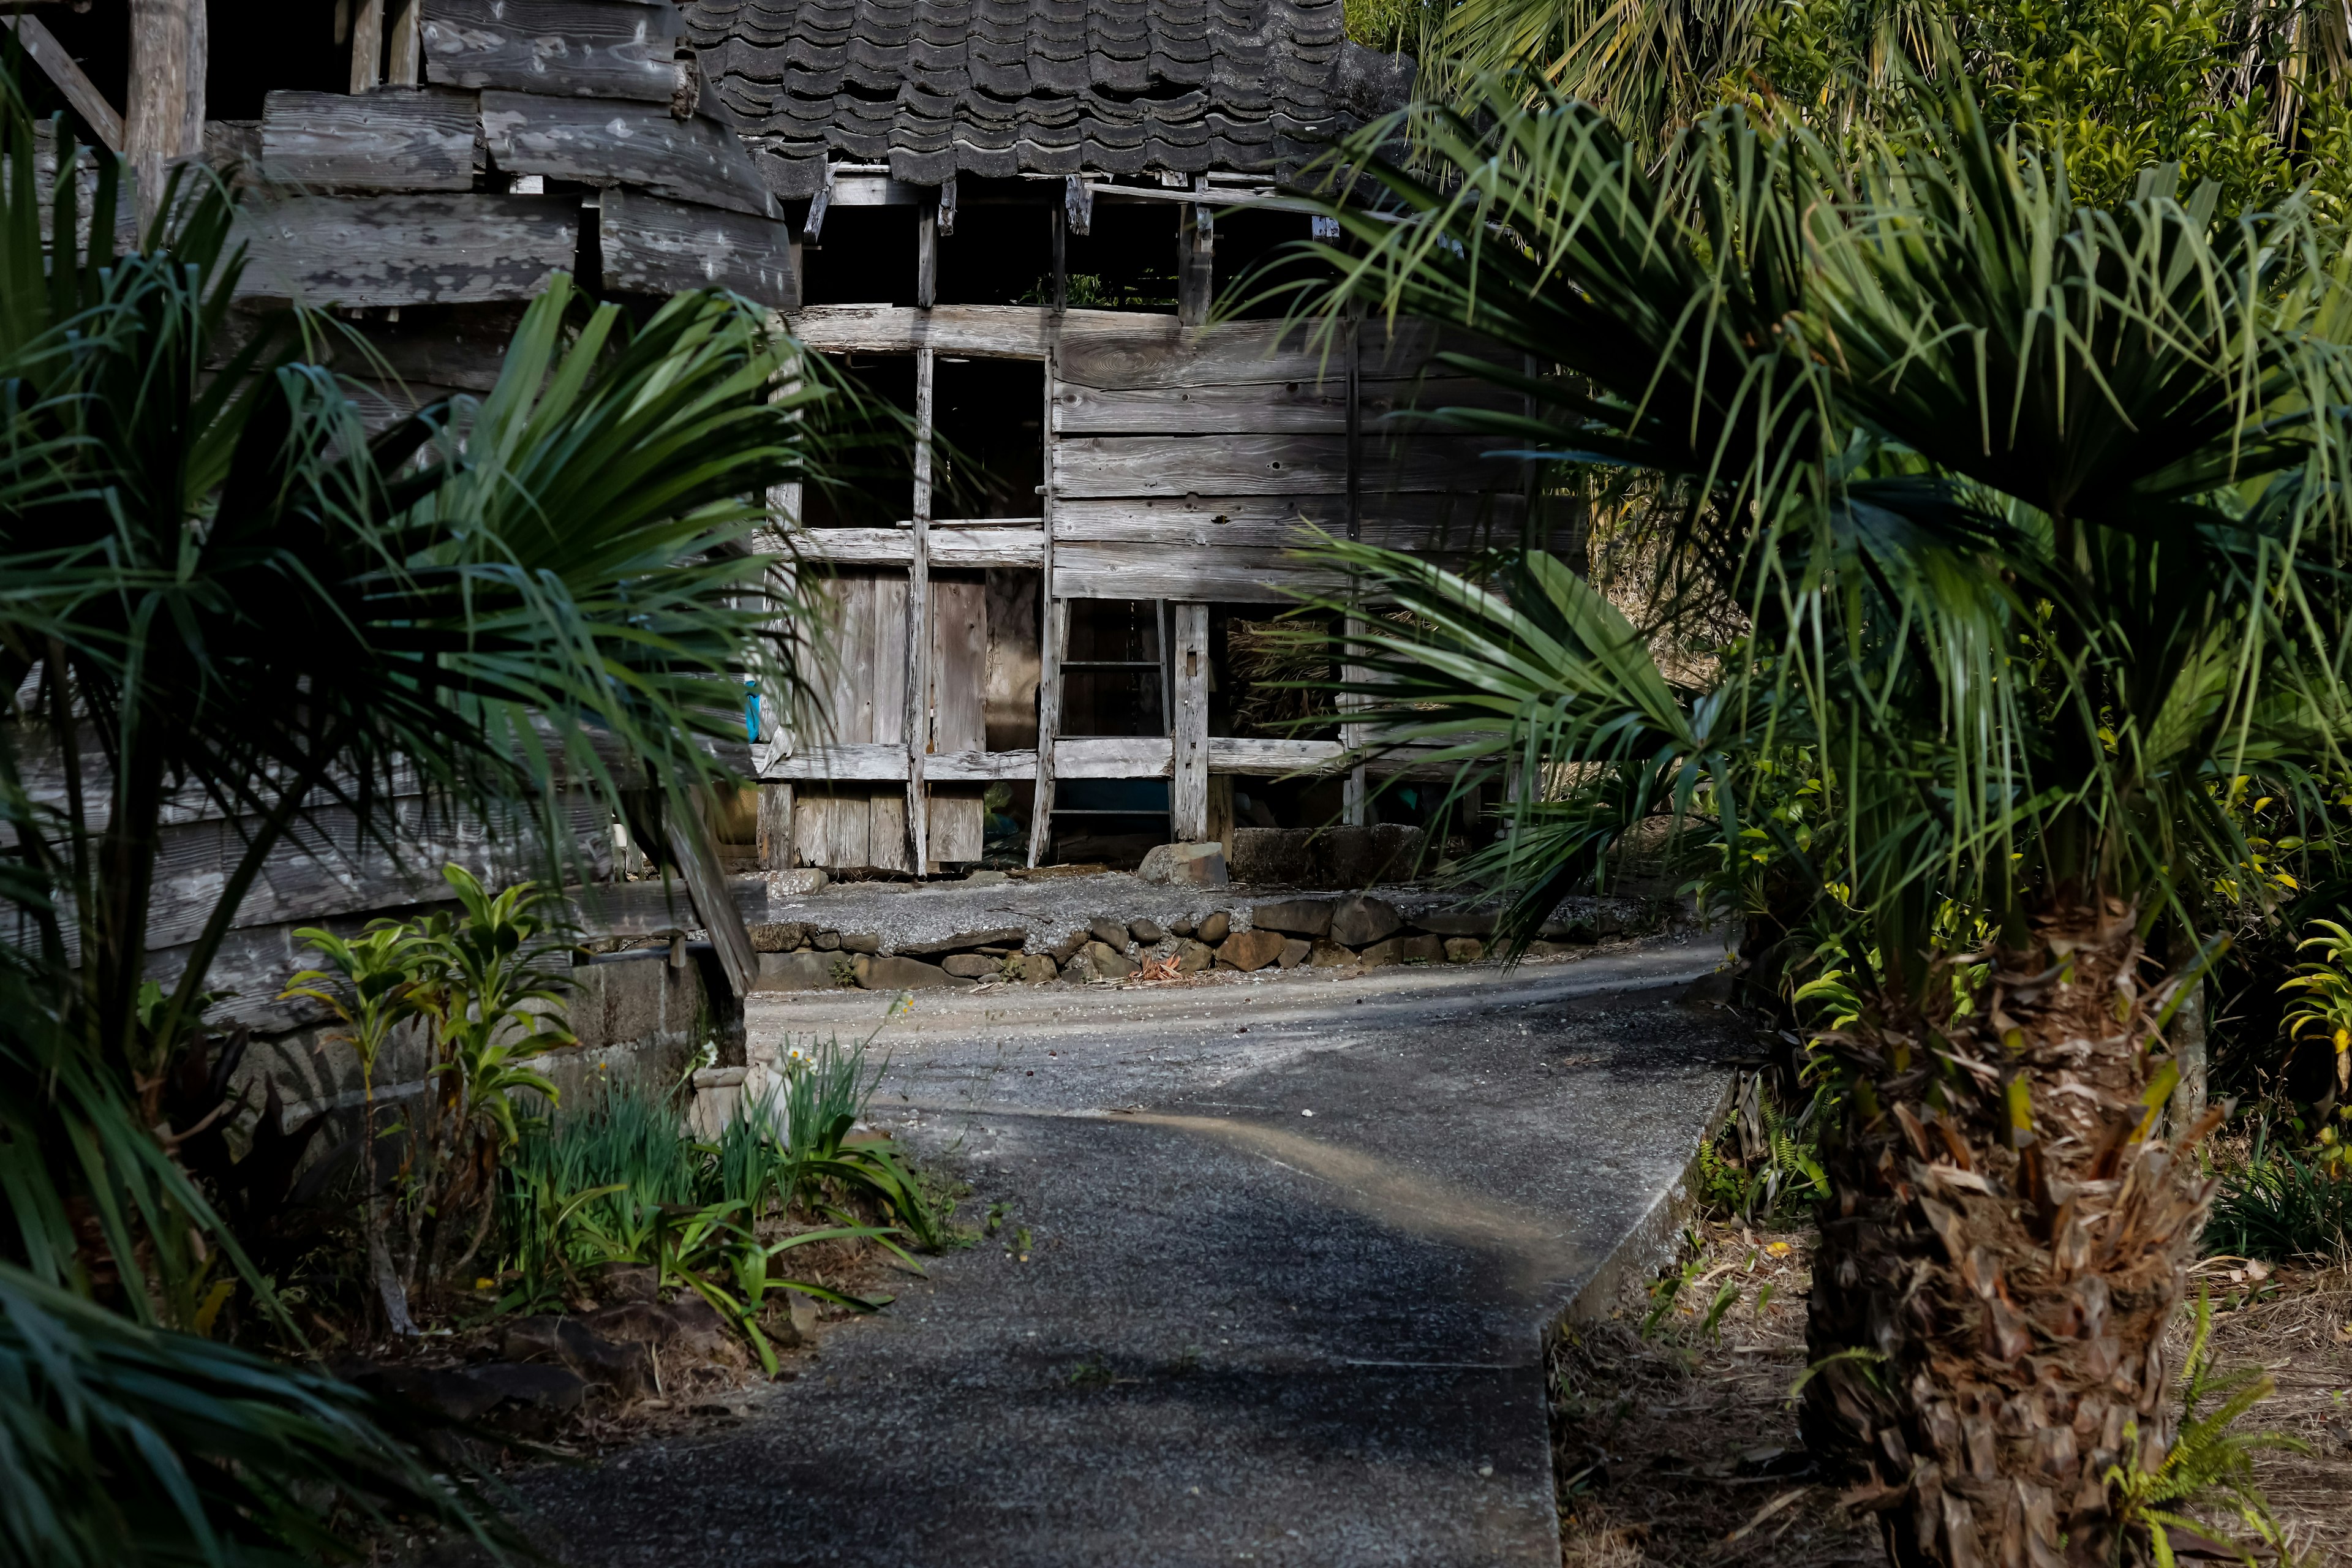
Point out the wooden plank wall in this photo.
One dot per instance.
(1184, 460)
(846, 824)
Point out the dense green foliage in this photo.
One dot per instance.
(222, 593)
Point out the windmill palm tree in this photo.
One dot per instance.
(2034, 515)
(219, 590)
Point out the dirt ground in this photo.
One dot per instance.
(1681, 1447)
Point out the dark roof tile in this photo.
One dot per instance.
(997, 87)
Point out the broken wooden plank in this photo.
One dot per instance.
(695, 853)
(408, 249)
(567, 48)
(41, 46)
(957, 547)
(694, 160)
(393, 138)
(1271, 759)
(656, 246)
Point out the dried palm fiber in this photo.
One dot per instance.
(2007, 1240)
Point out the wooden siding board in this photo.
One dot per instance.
(605, 143)
(587, 48)
(950, 547)
(656, 246)
(1104, 466)
(393, 138)
(1427, 521)
(1305, 406)
(408, 249)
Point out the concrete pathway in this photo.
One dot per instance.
(1292, 1246)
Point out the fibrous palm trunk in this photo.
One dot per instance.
(2009, 1237)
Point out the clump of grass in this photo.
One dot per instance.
(2282, 1207)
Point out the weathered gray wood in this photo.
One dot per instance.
(586, 48)
(1117, 572)
(393, 138)
(694, 160)
(958, 662)
(776, 827)
(1188, 797)
(1276, 465)
(1053, 631)
(163, 116)
(408, 249)
(1196, 258)
(696, 854)
(1140, 352)
(45, 188)
(1303, 406)
(1113, 757)
(405, 64)
(1424, 521)
(41, 46)
(956, 547)
(870, 763)
(656, 247)
(876, 191)
(981, 331)
(918, 616)
(1271, 759)
(367, 45)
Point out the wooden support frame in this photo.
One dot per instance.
(1188, 790)
(42, 48)
(367, 45)
(405, 67)
(164, 117)
(1053, 625)
(1196, 269)
(918, 621)
(1355, 802)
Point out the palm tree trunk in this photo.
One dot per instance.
(2008, 1239)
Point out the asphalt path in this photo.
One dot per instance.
(1274, 1262)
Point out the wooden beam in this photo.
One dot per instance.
(1113, 757)
(407, 62)
(1188, 798)
(885, 762)
(656, 246)
(1055, 622)
(567, 48)
(1196, 272)
(376, 141)
(459, 248)
(919, 618)
(962, 547)
(41, 46)
(604, 143)
(776, 827)
(927, 259)
(367, 45)
(696, 854)
(165, 119)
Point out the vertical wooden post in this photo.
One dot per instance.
(367, 45)
(1060, 224)
(165, 119)
(918, 564)
(1354, 796)
(1188, 788)
(776, 827)
(407, 62)
(1196, 256)
(1053, 625)
(926, 257)
(778, 800)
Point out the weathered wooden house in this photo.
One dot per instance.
(1011, 216)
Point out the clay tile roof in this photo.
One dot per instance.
(1039, 86)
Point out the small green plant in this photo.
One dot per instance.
(844, 970)
(2209, 1466)
(2324, 1008)
(2282, 1207)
